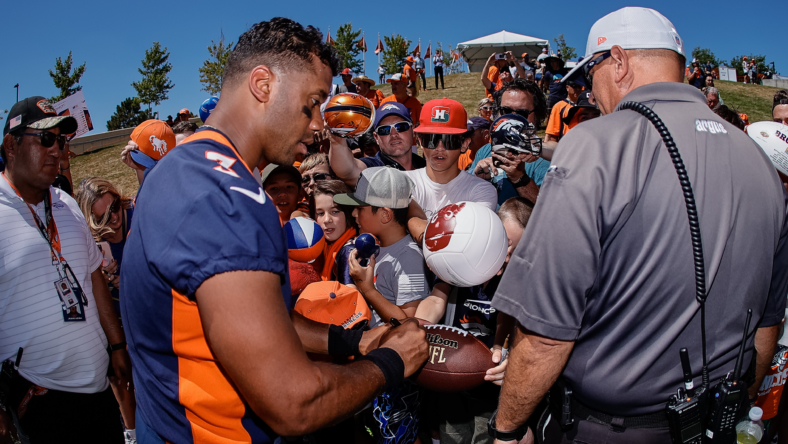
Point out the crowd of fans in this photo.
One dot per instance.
(416, 159)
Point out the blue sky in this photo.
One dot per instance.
(112, 36)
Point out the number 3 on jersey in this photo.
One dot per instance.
(225, 163)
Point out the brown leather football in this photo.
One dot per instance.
(457, 360)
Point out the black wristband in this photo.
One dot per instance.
(525, 180)
(119, 346)
(343, 342)
(390, 363)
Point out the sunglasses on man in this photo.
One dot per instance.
(595, 61)
(401, 127)
(49, 138)
(307, 179)
(450, 141)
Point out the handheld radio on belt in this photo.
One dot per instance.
(691, 411)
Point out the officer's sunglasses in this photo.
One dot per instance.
(450, 141)
(401, 127)
(48, 139)
(307, 179)
(503, 110)
(595, 61)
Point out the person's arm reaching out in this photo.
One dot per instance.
(765, 343)
(417, 222)
(254, 322)
(108, 318)
(345, 166)
(433, 306)
(314, 335)
(364, 277)
(485, 81)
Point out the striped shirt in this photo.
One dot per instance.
(59, 355)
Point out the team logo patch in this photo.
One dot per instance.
(441, 227)
(389, 106)
(764, 134)
(159, 145)
(440, 114)
(600, 40)
(46, 107)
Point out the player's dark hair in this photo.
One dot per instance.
(516, 209)
(332, 188)
(184, 127)
(400, 215)
(729, 116)
(366, 139)
(518, 84)
(780, 98)
(279, 43)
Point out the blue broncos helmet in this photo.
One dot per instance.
(513, 131)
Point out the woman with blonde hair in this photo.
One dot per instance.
(486, 108)
(108, 214)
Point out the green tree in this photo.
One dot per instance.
(128, 114)
(760, 62)
(347, 50)
(212, 70)
(705, 55)
(395, 54)
(567, 52)
(64, 79)
(155, 83)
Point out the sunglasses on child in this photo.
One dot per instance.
(307, 179)
(401, 127)
(450, 141)
(48, 139)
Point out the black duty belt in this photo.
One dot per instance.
(650, 421)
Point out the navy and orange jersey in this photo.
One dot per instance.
(201, 213)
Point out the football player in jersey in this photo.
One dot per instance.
(217, 356)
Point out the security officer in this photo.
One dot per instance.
(607, 257)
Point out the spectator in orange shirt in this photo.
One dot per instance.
(410, 72)
(585, 109)
(363, 85)
(556, 127)
(504, 73)
(399, 94)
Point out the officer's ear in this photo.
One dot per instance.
(620, 60)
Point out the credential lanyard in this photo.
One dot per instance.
(48, 231)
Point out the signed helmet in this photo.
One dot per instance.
(349, 115)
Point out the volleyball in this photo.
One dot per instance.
(207, 107)
(349, 115)
(305, 241)
(465, 244)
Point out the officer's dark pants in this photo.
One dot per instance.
(423, 80)
(438, 72)
(587, 432)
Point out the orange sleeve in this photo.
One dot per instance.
(464, 160)
(380, 97)
(554, 124)
(493, 74)
(416, 110)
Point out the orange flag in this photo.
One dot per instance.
(329, 40)
(429, 51)
(417, 48)
(379, 48)
(362, 44)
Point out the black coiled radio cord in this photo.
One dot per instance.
(692, 213)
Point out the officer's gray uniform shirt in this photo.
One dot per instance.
(606, 258)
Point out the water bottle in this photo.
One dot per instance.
(750, 430)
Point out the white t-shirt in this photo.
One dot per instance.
(432, 196)
(400, 274)
(59, 355)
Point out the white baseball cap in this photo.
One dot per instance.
(630, 28)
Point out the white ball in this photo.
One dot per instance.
(465, 244)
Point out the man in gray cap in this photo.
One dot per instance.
(605, 296)
(59, 326)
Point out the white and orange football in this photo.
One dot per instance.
(349, 115)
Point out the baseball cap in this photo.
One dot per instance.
(185, 111)
(409, 59)
(272, 168)
(332, 303)
(346, 72)
(155, 139)
(477, 122)
(630, 28)
(443, 116)
(379, 187)
(583, 101)
(396, 78)
(389, 109)
(37, 113)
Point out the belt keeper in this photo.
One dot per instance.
(617, 424)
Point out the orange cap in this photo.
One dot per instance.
(185, 111)
(154, 137)
(442, 116)
(330, 302)
(410, 59)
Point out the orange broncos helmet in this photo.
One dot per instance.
(349, 115)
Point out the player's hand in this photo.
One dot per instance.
(125, 156)
(497, 373)
(485, 169)
(370, 339)
(363, 277)
(410, 343)
(511, 164)
(527, 439)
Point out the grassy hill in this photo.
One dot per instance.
(754, 100)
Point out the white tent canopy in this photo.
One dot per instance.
(477, 51)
